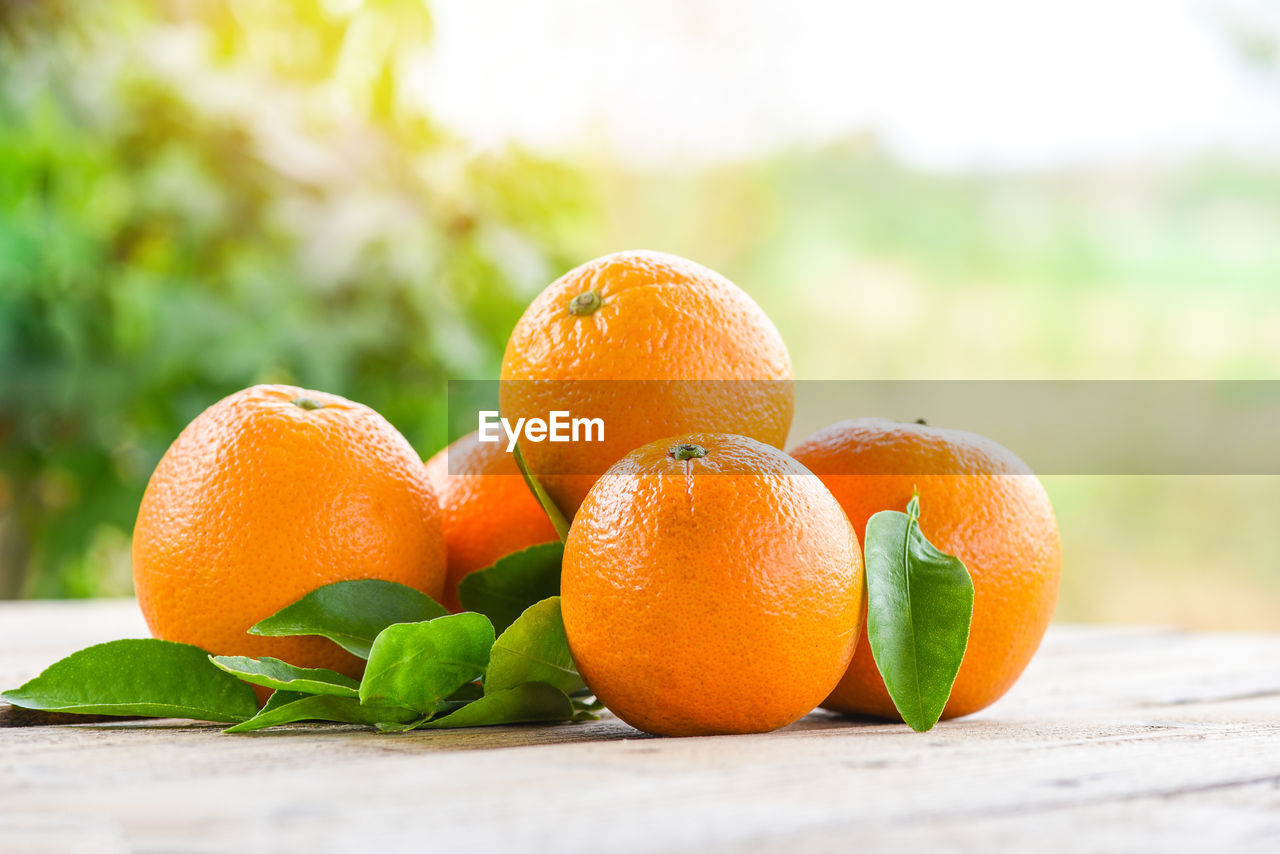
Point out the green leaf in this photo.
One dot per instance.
(532, 702)
(321, 707)
(351, 613)
(503, 591)
(920, 602)
(466, 694)
(280, 698)
(558, 520)
(404, 726)
(417, 665)
(534, 649)
(152, 678)
(274, 673)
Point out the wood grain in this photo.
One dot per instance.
(1116, 739)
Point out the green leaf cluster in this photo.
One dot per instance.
(425, 668)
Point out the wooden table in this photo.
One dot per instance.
(1115, 739)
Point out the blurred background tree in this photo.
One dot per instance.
(197, 196)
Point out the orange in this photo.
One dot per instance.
(711, 585)
(267, 495)
(626, 338)
(1000, 524)
(489, 512)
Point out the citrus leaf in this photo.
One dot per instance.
(920, 603)
(503, 591)
(558, 520)
(466, 694)
(321, 707)
(532, 702)
(417, 665)
(403, 726)
(148, 677)
(351, 613)
(533, 649)
(274, 673)
(280, 698)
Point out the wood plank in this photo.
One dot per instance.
(1115, 739)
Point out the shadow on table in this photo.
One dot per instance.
(607, 729)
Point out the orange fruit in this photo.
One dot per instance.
(711, 594)
(267, 495)
(623, 338)
(488, 510)
(1000, 524)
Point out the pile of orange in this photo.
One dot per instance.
(711, 583)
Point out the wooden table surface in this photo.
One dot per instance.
(1115, 739)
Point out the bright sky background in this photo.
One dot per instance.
(1001, 84)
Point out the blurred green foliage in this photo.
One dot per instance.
(208, 195)
(872, 269)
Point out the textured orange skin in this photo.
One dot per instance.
(1001, 525)
(699, 602)
(662, 318)
(259, 501)
(488, 510)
